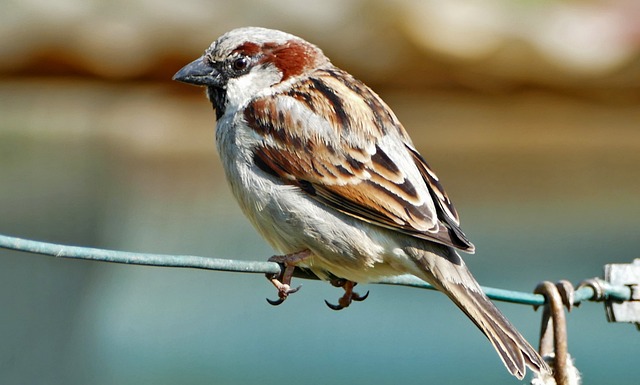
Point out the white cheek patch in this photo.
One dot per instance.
(257, 81)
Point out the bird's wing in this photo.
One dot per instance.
(336, 140)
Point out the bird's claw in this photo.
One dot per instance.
(345, 302)
(275, 302)
(334, 307)
(349, 295)
(360, 298)
(282, 280)
(283, 293)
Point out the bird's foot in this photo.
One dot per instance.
(349, 295)
(282, 281)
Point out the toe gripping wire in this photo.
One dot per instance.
(553, 333)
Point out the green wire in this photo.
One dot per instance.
(621, 293)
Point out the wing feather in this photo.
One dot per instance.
(361, 164)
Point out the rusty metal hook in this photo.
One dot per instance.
(553, 332)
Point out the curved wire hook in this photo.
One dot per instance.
(553, 333)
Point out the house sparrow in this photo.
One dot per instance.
(327, 174)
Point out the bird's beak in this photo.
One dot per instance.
(200, 73)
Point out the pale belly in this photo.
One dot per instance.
(340, 245)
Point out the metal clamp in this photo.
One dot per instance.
(627, 274)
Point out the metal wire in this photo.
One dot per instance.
(621, 293)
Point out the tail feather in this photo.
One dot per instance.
(448, 273)
(514, 350)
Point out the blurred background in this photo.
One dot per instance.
(528, 111)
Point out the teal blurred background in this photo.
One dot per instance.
(528, 111)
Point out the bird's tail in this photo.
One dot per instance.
(450, 275)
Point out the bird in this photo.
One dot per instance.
(326, 173)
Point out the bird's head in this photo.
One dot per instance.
(246, 62)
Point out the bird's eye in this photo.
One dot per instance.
(240, 64)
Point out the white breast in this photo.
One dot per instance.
(291, 221)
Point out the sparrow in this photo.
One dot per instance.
(327, 174)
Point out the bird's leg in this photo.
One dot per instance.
(349, 294)
(282, 281)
